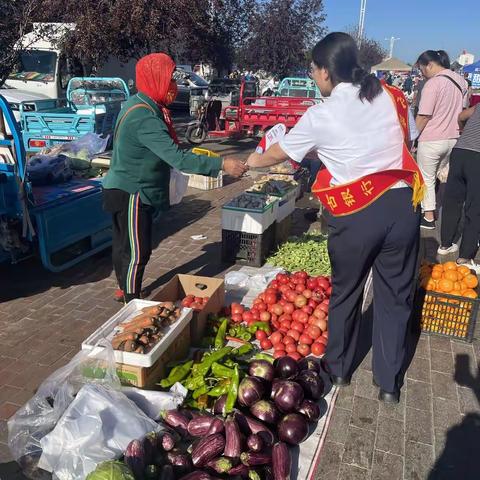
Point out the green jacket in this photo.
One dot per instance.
(143, 153)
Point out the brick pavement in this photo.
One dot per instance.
(433, 433)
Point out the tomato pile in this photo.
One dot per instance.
(296, 306)
(197, 303)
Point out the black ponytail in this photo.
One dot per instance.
(440, 57)
(338, 53)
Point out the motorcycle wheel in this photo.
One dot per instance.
(196, 134)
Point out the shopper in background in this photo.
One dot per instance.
(442, 101)
(462, 192)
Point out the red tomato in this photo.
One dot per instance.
(312, 283)
(275, 324)
(199, 299)
(286, 324)
(322, 340)
(277, 309)
(260, 335)
(323, 307)
(266, 344)
(270, 299)
(262, 307)
(273, 317)
(274, 284)
(282, 278)
(237, 318)
(326, 301)
(265, 316)
(276, 337)
(247, 316)
(197, 306)
(329, 291)
(307, 293)
(290, 295)
(300, 287)
(312, 303)
(323, 283)
(308, 310)
(303, 317)
(294, 334)
(313, 331)
(300, 301)
(298, 327)
(282, 302)
(318, 349)
(291, 347)
(288, 339)
(271, 291)
(256, 315)
(306, 339)
(295, 315)
(303, 349)
(186, 302)
(279, 346)
(288, 308)
(237, 309)
(205, 299)
(295, 355)
(279, 353)
(319, 313)
(322, 325)
(284, 317)
(325, 334)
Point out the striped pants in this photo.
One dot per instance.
(132, 238)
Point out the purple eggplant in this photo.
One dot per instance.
(180, 461)
(216, 426)
(255, 442)
(196, 475)
(150, 446)
(286, 367)
(311, 383)
(176, 419)
(233, 447)
(265, 411)
(250, 390)
(240, 470)
(293, 429)
(252, 459)
(207, 449)
(199, 426)
(281, 461)
(168, 441)
(261, 369)
(220, 465)
(309, 364)
(310, 410)
(134, 458)
(249, 425)
(275, 386)
(219, 405)
(289, 397)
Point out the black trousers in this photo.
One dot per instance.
(383, 237)
(462, 191)
(132, 238)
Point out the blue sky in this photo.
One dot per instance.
(451, 25)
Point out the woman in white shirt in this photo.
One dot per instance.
(359, 136)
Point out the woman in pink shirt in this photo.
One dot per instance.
(442, 100)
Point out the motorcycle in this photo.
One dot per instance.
(208, 120)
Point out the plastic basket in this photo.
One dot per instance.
(247, 248)
(447, 315)
(203, 182)
(282, 230)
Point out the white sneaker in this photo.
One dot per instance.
(471, 265)
(445, 251)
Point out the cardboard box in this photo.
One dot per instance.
(148, 377)
(182, 285)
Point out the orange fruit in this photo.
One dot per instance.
(458, 286)
(463, 270)
(449, 266)
(451, 275)
(430, 285)
(437, 274)
(463, 285)
(471, 280)
(469, 293)
(437, 266)
(445, 285)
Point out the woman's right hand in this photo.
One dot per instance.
(234, 167)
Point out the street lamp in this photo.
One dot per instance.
(392, 45)
(361, 21)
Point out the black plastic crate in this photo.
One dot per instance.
(446, 315)
(247, 248)
(282, 230)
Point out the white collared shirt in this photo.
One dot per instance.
(352, 138)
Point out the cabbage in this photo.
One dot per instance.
(111, 470)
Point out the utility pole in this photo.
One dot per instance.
(392, 45)
(361, 21)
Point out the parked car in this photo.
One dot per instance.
(188, 84)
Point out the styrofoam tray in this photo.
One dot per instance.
(132, 309)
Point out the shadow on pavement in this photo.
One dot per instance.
(459, 458)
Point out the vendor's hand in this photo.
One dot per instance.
(234, 167)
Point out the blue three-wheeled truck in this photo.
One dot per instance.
(62, 223)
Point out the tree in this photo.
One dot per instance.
(282, 33)
(370, 51)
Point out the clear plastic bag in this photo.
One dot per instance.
(84, 148)
(41, 413)
(178, 186)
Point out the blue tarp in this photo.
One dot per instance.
(474, 67)
(473, 71)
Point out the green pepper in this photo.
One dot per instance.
(194, 382)
(264, 356)
(220, 371)
(222, 331)
(200, 391)
(207, 342)
(229, 363)
(243, 350)
(177, 374)
(203, 367)
(232, 391)
(222, 388)
(260, 326)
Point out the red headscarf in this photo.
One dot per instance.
(154, 79)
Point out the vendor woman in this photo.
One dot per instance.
(137, 184)
(360, 134)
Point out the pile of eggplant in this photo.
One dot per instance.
(276, 403)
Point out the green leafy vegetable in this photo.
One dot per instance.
(111, 470)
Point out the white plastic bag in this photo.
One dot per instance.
(97, 426)
(178, 186)
(41, 413)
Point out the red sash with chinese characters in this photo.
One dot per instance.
(352, 197)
